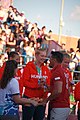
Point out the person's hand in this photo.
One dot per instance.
(41, 82)
(42, 102)
(34, 102)
(36, 99)
(28, 104)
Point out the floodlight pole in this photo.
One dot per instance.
(61, 21)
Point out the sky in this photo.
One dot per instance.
(47, 13)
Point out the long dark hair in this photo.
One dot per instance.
(8, 73)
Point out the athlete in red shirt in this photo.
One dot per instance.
(36, 79)
(77, 97)
(65, 64)
(59, 86)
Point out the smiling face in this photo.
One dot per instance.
(40, 56)
(66, 62)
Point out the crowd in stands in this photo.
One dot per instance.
(19, 34)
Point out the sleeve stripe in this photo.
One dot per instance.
(57, 78)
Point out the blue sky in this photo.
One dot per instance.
(47, 12)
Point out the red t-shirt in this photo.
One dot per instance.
(77, 93)
(60, 74)
(70, 79)
(69, 73)
(30, 80)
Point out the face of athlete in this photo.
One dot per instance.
(66, 62)
(41, 57)
(52, 61)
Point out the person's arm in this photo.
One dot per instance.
(14, 89)
(56, 91)
(17, 99)
(11, 43)
(21, 86)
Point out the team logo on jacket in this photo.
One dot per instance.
(38, 76)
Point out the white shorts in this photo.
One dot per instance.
(59, 113)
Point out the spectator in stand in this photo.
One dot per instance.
(78, 51)
(2, 13)
(73, 62)
(76, 74)
(29, 24)
(43, 30)
(59, 87)
(11, 41)
(7, 29)
(4, 39)
(78, 45)
(22, 18)
(10, 17)
(9, 93)
(32, 33)
(39, 33)
(15, 14)
(36, 78)
(72, 53)
(1, 46)
(24, 56)
(1, 61)
(30, 51)
(38, 43)
(50, 35)
(0, 30)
